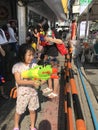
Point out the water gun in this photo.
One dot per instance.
(2, 80)
(42, 41)
(40, 72)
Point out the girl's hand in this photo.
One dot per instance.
(42, 82)
(36, 84)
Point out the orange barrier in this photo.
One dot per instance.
(80, 123)
(73, 86)
(69, 108)
(77, 107)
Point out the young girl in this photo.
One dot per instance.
(26, 88)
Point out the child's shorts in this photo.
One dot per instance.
(27, 98)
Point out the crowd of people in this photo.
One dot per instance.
(40, 49)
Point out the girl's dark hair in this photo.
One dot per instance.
(22, 51)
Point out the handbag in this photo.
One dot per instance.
(13, 93)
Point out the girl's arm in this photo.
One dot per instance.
(2, 51)
(20, 81)
(50, 39)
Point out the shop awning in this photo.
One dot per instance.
(91, 10)
(51, 9)
(42, 9)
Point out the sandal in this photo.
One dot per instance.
(46, 90)
(52, 95)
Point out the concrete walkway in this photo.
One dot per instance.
(47, 114)
(50, 115)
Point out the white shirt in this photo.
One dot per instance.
(12, 35)
(3, 39)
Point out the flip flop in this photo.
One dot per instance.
(46, 90)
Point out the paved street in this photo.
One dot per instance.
(92, 74)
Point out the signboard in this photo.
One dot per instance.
(83, 2)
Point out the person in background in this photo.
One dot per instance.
(2, 80)
(39, 46)
(13, 24)
(44, 60)
(26, 89)
(5, 29)
(3, 58)
(73, 30)
(32, 39)
(32, 36)
(52, 52)
(12, 40)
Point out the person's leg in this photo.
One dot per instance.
(56, 86)
(32, 118)
(21, 104)
(50, 83)
(55, 89)
(33, 105)
(16, 120)
(45, 88)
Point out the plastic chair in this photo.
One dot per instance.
(94, 52)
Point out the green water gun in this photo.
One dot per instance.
(40, 72)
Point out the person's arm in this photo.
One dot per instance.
(38, 40)
(2, 51)
(20, 81)
(50, 39)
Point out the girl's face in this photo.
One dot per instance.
(29, 57)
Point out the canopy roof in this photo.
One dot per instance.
(57, 7)
(51, 9)
(91, 11)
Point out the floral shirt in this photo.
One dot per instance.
(20, 67)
